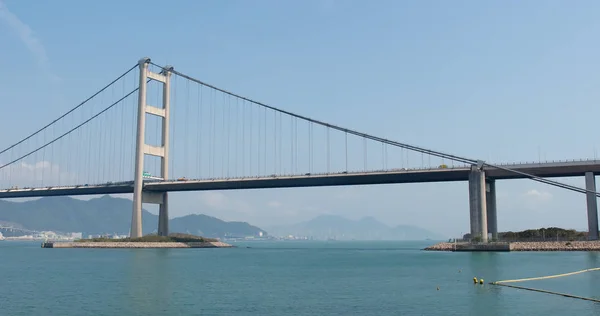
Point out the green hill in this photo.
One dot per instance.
(108, 215)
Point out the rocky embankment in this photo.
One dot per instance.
(212, 244)
(556, 246)
(519, 246)
(443, 246)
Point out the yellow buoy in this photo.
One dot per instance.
(480, 281)
(475, 280)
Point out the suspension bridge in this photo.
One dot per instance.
(8, 230)
(155, 130)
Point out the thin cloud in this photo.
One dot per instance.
(24, 174)
(215, 200)
(27, 36)
(538, 195)
(274, 204)
(218, 201)
(536, 200)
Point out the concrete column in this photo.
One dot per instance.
(592, 206)
(163, 210)
(477, 204)
(490, 199)
(138, 180)
(163, 216)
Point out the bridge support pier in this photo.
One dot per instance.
(142, 149)
(477, 204)
(490, 199)
(592, 206)
(163, 216)
(162, 199)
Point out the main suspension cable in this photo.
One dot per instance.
(70, 131)
(70, 111)
(391, 142)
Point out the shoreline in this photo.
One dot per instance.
(112, 245)
(592, 245)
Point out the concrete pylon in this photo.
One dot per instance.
(142, 149)
(592, 205)
(477, 204)
(490, 199)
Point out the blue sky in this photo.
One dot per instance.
(497, 80)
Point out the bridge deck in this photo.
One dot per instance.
(547, 170)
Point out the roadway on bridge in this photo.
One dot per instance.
(546, 170)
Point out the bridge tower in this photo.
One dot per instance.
(482, 204)
(478, 203)
(142, 149)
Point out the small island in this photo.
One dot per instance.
(149, 241)
(543, 239)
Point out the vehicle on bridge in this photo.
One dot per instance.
(148, 177)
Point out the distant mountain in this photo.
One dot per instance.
(209, 226)
(107, 215)
(367, 228)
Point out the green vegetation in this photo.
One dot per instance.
(476, 239)
(155, 238)
(544, 233)
(541, 234)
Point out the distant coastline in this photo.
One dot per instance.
(105, 244)
(149, 241)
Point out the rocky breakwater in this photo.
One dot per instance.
(556, 246)
(518, 246)
(465, 246)
(108, 244)
(443, 246)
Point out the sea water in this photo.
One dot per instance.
(289, 278)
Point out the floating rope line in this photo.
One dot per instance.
(547, 277)
(504, 283)
(549, 292)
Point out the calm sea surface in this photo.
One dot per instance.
(288, 278)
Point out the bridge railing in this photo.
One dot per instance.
(451, 167)
(546, 161)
